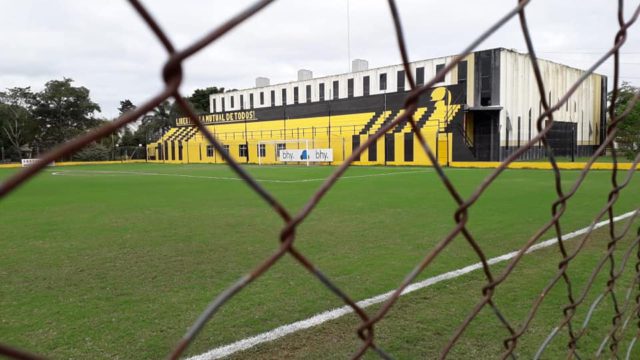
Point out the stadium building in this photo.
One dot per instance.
(483, 110)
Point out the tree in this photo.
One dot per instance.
(157, 122)
(127, 138)
(628, 136)
(125, 106)
(17, 126)
(63, 111)
(200, 98)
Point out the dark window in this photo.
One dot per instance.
(280, 147)
(350, 88)
(295, 95)
(209, 150)
(284, 96)
(241, 102)
(273, 98)
(226, 149)
(336, 90)
(365, 86)
(232, 102)
(439, 68)
(321, 92)
(355, 144)
(389, 147)
(261, 97)
(462, 79)
(308, 91)
(408, 146)
(180, 150)
(214, 106)
(222, 104)
(383, 82)
(250, 101)
(373, 151)
(400, 80)
(262, 150)
(462, 72)
(485, 78)
(420, 76)
(242, 148)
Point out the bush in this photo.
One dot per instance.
(93, 152)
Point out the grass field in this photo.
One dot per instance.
(116, 261)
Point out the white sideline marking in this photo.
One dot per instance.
(112, 173)
(318, 319)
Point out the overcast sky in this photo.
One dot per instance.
(103, 44)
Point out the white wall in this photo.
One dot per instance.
(374, 86)
(519, 93)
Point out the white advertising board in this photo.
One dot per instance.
(312, 155)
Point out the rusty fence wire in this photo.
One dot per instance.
(625, 311)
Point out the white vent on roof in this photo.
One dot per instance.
(262, 81)
(304, 74)
(359, 65)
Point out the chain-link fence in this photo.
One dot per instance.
(172, 74)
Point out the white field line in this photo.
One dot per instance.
(336, 313)
(142, 173)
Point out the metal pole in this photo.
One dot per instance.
(308, 153)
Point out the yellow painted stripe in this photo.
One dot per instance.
(538, 165)
(73, 163)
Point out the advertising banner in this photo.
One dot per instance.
(311, 155)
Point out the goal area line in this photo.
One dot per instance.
(326, 316)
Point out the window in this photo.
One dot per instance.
(232, 102)
(213, 105)
(308, 93)
(261, 97)
(439, 68)
(280, 147)
(242, 148)
(365, 86)
(350, 88)
(335, 90)
(241, 102)
(295, 94)
(462, 72)
(400, 80)
(383, 82)
(408, 147)
(262, 150)
(462, 78)
(250, 101)
(209, 150)
(420, 76)
(284, 96)
(321, 92)
(226, 149)
(222, 104)
(273, 98)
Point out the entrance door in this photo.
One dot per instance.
(486, 138)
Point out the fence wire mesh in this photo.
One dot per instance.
(625, 311)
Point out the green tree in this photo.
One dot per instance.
(157, 122)
(18, 128)
(125, 106)
(628, 136)
(127, 138)
(63, 111)
(200, 98)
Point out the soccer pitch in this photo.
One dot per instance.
(117, 261)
